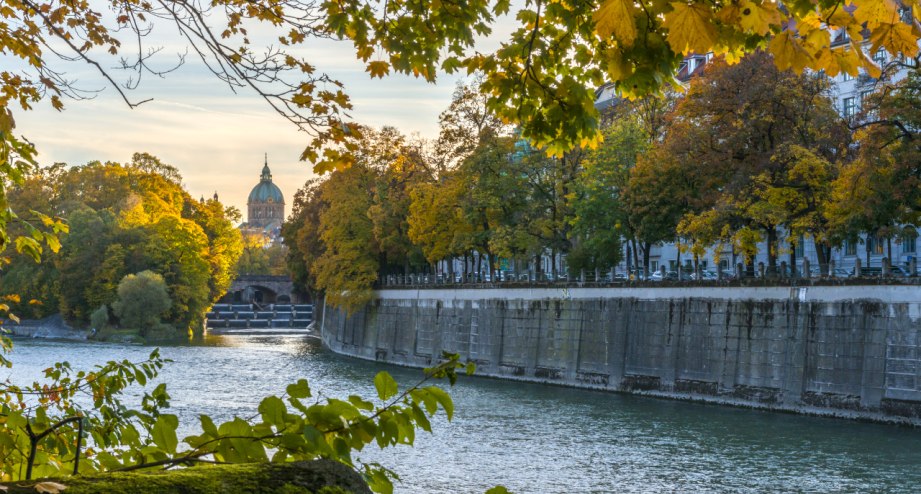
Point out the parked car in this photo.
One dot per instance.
(669, 275)
(706, 275)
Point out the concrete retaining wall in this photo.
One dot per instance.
(844, 351)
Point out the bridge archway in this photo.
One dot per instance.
(263, 289)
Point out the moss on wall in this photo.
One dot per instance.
(311, 477)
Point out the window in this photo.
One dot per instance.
(849, 107)
(653, 266)
(880, 56)
(875, 244)
(850, 248)
(845, 77)
(909, 244)
(799, 249)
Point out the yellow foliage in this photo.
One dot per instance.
(759, 17)
(615, 18)
(690, 28)
(789, 52)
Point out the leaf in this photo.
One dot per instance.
(875, 12)
(273, 410)
(207, 425)
(386, 386)
(164, 433)
(615, 17)
(378, 69)
(444, 399)
(690, 28)
(49, 487)
(789, 53)
(499, 489)
(758, 18)
(300, 389)
(895, 37)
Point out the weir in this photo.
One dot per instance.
(847, 351)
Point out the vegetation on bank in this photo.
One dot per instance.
(749, 156)
(141, 253)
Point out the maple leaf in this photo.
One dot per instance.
(896, 37)
(759, 18)
(789, 53)
(378, 69)
(875, 12)
(869, 65)
(615, 17)
(690, 28)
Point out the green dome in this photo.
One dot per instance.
(265, 190)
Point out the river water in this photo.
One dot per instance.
(529, 437)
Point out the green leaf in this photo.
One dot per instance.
(273, 410)
(164, 433)
(300, 389)
(207, 425)
(444, 399)
(499, 489)
(386, 386)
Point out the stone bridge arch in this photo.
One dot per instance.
(262, 289)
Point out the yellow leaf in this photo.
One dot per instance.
(615, 17)
(690, 28)
(895, 37)
(759, 18)
(729, 14)
(874, 12)
(789, 53)
(870, 66)
(378, 69)
(49, 487)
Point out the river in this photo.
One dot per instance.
(529, 437)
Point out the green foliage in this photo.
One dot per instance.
(124, 219)
(142, 299)
(287, 428)
(99, 319)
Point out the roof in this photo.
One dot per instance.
(265, 190)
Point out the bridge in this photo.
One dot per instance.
(262, 289)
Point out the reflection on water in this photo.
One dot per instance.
(533, 438)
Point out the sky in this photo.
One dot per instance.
(217, 139)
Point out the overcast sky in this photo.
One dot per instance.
(217, 139)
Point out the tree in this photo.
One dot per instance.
(301, 232)
(350, 261)
(542, 77)
(733, 131)
(878, 192)
(142, 299)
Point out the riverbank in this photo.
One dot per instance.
(849, 352)
(50, 327)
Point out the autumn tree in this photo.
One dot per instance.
(878, 192)
(124, 219)
(350, 262)
(301, 232)
(733, 131)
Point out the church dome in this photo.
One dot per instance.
(266, 191)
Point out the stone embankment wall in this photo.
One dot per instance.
(852, 351)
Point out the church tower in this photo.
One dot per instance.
(266, 205)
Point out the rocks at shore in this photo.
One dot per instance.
(50, 327)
